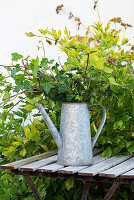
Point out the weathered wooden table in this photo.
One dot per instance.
(116, 170)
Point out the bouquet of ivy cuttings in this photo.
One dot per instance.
(96, 62)
(97, 70)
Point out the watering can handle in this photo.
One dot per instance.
(101, 125)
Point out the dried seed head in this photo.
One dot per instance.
(56, 42)
(49, 42)
(132, 48)
(87, 32)
(58, 8)
(125, 25)
(71, 15)
(95, 3)
(116, 20)
(78, 25)
(111, 59)
(70, 37)
(80, 38)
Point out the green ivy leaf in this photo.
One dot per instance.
(28, 133)
(62, 87)
(20, 114)
(23, 152)
(16, 56)
(107, 153)
(124, 41)
(59, 197)
(125, 118)
(116, 150)
(112, 81)
(8, 105)
(47, 87)
(108, 26)
(98, 64)
(131, 149)
(69, 184)
(118, 125)
(70, 97)
(18, 88)
(107, 70)
(6, 176)
(29, 107)
(6, 97)
(34, 66)
(44, 63)
(29, 34)
(128, 144)
(66, 32)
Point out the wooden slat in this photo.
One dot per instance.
(99, 167)
(128, 175)
(71, 169)
(55, 167)
(17, 164)
(96, 152)
(98, 159)
(119, 169)
(50, 168)
(36, 165)
(75, 169)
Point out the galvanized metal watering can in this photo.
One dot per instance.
(74, 140)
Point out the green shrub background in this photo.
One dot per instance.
(100, 74)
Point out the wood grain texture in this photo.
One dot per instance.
(119, 169)
(36, 165)
(50, 168)
(128, 175)
(104, 165)
(17, 164)
(71, 169)
(75, 169)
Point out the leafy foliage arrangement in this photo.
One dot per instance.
(98, 69)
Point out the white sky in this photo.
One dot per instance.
(20, 16)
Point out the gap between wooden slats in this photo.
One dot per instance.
(17, 164)
(55, 167)
(96, 151)
(50, 168)
(35, 165)
(128, 175)
(119, 169)
(104, 165)
(75, 169)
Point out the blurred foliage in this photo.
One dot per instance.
(98, 69)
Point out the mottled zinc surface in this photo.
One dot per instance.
(74, 140)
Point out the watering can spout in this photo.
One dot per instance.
(56, 135)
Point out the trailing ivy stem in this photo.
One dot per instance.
(74, 18)
(124, 33)
(7, 66)
(98, 13)
(42, 47)
(5, 77)
(40, 36)
(86, 67)
(23, 92)
(13, 106)
(66, 194)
